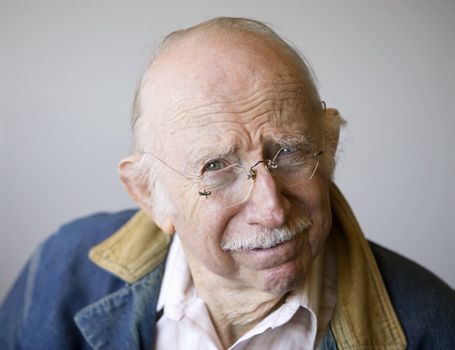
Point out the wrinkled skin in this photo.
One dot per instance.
(236, 95)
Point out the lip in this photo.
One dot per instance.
(256, 251)
(271, 257)
(276, 245)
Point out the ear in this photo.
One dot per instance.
(138, 190)
(332, 126)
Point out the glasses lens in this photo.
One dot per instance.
(232, 185)
(228, 186)
(291, 174)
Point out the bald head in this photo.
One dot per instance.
(223, 89)
(212, 63)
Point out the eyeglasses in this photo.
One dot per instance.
(232, 183)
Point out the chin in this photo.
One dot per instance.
(282, 280)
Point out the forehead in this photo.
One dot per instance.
(279, 100)
(234, 94)
(275, 113)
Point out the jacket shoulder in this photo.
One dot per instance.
(91, 229)
(424, 303)
(66, 251)
(57, 281)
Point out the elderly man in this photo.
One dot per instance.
(241, 240)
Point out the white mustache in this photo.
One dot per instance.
(266, 238)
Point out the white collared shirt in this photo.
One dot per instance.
(298, 323)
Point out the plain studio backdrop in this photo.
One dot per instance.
(69, 70)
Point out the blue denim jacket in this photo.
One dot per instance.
(62, 300)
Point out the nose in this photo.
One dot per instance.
(267, 205)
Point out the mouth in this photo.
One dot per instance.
(266, 239)
(272, 257)
(270, 246)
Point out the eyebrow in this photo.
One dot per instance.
(206, 153)
(293, 139)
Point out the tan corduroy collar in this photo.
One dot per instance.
(364, 317)
(134, 250)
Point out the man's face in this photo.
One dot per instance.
(234, 108)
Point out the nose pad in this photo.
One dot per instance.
(267, 205)
(267, 163)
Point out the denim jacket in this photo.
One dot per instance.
(63, 300)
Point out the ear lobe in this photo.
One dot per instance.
(138, 189)
(166, 225)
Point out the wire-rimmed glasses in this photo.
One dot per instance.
(232, 183)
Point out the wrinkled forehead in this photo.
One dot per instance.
(278, 104)
(199, 90)
(245, 130)
(248, 130)
(248, 119)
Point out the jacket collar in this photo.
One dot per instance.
(134, 250)
(364, 316)
(125, 319)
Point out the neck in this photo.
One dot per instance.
(234, 311)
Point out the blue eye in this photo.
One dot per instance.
(288, 150)
(213, 166)
(289, 155)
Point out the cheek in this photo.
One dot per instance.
(318, 207)
(201, 225)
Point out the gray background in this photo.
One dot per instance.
(69, 69)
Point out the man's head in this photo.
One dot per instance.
(216, 99)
